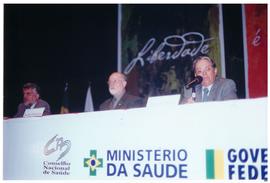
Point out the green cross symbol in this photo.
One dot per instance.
(93, 162)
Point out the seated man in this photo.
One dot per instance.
(121, 99)
(31, 100)
(212, 87)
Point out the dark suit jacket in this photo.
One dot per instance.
(127, 101)
(40, 103)
(222, 89)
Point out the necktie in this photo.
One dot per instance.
(28, 106)
(114, 103)
(205, 94)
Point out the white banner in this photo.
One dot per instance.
(214, 140)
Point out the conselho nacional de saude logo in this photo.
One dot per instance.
(55, 149)
(93, 163)
(237, 164)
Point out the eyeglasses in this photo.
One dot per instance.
(203, 71)
(29, 92)
(114, 81)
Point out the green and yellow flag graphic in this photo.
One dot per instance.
(214, 164)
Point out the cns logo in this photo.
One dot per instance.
(93, 162)
(57, 144)
(214, 164)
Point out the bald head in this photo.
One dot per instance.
(118, 75)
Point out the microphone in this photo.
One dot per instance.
(197, 80)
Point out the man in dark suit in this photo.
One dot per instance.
(31, 99)
(212, 87)
(121, 98)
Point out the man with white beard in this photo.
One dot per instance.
(120, 99)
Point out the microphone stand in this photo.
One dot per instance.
(193, 95)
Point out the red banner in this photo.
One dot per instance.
(256, 29)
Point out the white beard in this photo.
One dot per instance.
(112, 91)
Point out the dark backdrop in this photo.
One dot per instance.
(54, 44)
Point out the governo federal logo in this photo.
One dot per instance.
(93, 163)
(237, 163)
